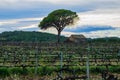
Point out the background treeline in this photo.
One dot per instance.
(27, 36)
(106, 39)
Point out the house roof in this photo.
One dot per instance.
(76, 39)
(78, 36)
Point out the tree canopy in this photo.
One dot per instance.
(59, 19)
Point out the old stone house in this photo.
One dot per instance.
(76, 39)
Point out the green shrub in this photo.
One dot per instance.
(114, 69)
(17, 70)
(45, 70)
(4, 72)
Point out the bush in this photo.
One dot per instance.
(16, 70)
(47, 70)
(4, 72)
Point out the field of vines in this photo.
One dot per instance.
(46, 59)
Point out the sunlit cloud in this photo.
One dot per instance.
(103, 33)
(6, 23)
(100, 17)
(27, 27)
(14, 21)
(39, 3)
(19, 24)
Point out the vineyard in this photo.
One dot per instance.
(53, 56)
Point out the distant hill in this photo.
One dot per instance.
(27, 36)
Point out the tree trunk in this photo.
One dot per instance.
(59, 32)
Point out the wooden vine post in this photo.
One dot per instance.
(87, 64)
(61, 62)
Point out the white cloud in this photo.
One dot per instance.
(15, 21)
(35, 3)
(104, 33)
(49, 30)
(19, 24)
(100, 17)
(27, 27)
(6, 23)
(67, 2)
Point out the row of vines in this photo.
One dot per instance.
(25, 57)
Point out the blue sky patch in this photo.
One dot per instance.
(89, 29)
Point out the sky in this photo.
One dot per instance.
(98, 18)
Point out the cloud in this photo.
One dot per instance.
(22, 2)
(15, 21)
(27, 27)
(19, 24)
(18, 4)
(5, 23)
(108, 17)
(103, 33)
